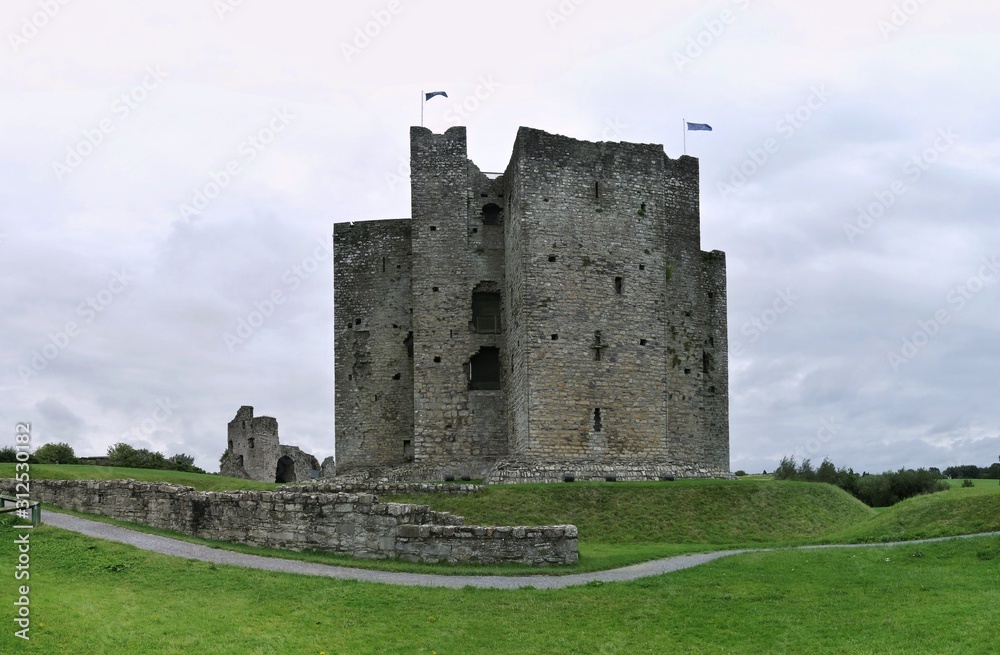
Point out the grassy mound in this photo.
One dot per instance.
(956, 511)
(681, 512)
(199, 481)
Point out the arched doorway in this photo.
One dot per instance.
(286, 470)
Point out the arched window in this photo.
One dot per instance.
(285, 471)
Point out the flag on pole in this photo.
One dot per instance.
(699, 127)
(424, 97)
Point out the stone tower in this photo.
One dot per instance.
(558, 318)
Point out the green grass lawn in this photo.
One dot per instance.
(96, 597)
(199, 481)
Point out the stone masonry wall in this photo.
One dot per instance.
(618, 318)
(353, 523)
(514, 471)
(253, 446)
(592, 295)
(373, 343)
(612, 344)
(455, 253)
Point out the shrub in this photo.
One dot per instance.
(55, 453)
(968, 483)
(740, 473)
(122, 454)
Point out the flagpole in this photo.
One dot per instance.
(421, 107)
(683, 131)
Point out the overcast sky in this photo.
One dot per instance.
(169, 168)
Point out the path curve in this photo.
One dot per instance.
(178, 548)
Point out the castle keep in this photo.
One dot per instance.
(559, 318)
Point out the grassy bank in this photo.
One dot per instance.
(199, 481)
(960, 510)
(721, 512)
(91, 596)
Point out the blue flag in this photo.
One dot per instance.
(428, 96)
(696, 127)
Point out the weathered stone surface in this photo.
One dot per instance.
(253, 452)
(574, 283)
(337, 522)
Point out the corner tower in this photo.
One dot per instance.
(459, 395)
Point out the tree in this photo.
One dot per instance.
(121, 454)
(786, 469)
(8, 454)
(826, 472)
(181, 461)
(55, 453)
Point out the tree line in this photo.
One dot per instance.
(875, 490)
(120, 454)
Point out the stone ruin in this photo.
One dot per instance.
(254, 453)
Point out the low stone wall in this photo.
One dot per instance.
(385, 488)
(472, 468)
(520, 471)
(353, 523)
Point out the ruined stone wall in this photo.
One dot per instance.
(386, 488)
(454, 254)
(298, 466)
(252, 450)
(356, 524)
(373, 365)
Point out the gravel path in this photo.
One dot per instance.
(179, 548)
